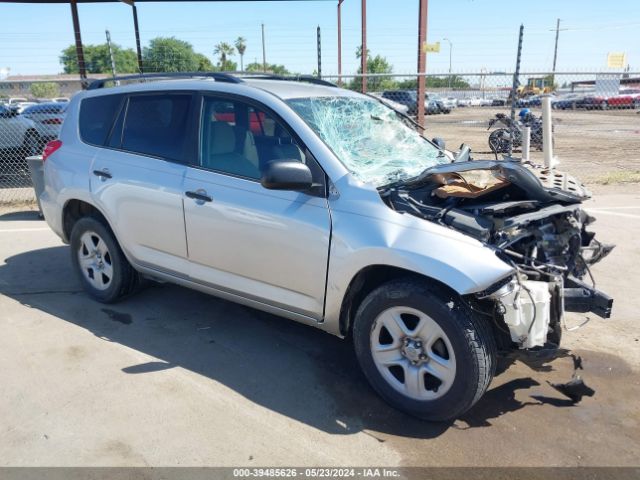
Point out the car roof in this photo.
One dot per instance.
(283, 89)
(47, 107)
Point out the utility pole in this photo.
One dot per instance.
(363, 53)
(422, 59)
(450, 57)
(82, 68)
(555, 54)
(113, 62)
(516, 81)
(319, 54)
(340, 42)
(264, 52)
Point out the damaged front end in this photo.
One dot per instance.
(532, 218)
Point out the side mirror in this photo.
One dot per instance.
(438, 142)
(286, 175)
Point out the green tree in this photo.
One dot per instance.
(97, 59)
(168, 54)
(377, 64)
(225, 50)
(45, 90)
(241, 46)
(271, 68)
(204, 64)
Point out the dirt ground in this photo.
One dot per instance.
(590, 144)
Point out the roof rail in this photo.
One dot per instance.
(217, 76)
(290, 78)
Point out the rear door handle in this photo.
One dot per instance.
(103, 174)
(199, 196)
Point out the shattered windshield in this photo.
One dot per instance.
(371, 139)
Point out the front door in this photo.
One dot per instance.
(268, 246)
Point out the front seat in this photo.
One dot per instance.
(222, 153)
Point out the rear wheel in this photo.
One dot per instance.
(103, 269)
(423, 350)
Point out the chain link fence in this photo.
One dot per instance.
(596, 119)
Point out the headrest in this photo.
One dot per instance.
(222, 138)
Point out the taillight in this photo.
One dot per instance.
(52, 121)
(51, 147)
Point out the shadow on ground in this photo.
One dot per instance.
(289, 368)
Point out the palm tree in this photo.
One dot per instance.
(241, 46)
(224, 50)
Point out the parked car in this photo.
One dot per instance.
(566, 102)
(60, 100)
(432, 107)
(408, 98)
(450, 102)
(18, 134)
(341, 216)
(395, 105)
(441, 106)
(47, 118)
(592, 102)
(626, 99)
(485, 102)
(498, 102)
(464, 102)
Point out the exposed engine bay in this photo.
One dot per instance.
(532, 218)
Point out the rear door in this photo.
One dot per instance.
(269, 246)
(137, 179)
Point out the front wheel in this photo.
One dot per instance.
(423, 350)
(499, 140)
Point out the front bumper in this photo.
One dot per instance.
(580, 297)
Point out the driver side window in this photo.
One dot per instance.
(240, 139)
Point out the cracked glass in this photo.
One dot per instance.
(372, 140)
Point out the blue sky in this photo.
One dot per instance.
(483, 32)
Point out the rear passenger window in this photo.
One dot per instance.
(156, 125)
(96, 118)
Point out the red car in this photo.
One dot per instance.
(626, 99)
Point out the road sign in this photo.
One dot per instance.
(617, 60)
(431, 47)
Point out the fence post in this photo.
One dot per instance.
(547, 133)
(526, 143)
(422, 60)
(319, 53)
(514, 88)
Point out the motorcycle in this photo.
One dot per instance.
(513, 131)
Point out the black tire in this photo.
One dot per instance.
(124, 279)
(31, 143)
(497, 142)
(470, 338)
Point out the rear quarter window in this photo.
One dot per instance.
(96, 118)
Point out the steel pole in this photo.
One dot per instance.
(113, 62)
(264, 52)
(364, 56)
(555, 54)
(319, 53)
(422, 59)
(340, 42)
(137, 34)
(82, 69)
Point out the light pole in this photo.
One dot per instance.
(450, 54)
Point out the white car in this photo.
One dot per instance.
(18, 132)
(450, 102)
(464, 102)
(47, 119)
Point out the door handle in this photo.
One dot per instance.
(103, 174)
(199, 196)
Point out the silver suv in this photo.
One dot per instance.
(327, 207)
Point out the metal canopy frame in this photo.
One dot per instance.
(422, 36)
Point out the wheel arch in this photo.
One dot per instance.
(368, 279)
(74, 209)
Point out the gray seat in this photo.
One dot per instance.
(222, 155)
